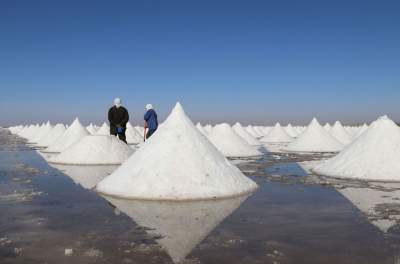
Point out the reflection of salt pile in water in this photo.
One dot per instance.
(73, 134)
(52, 136)
(182, 225)
(245, 135)
(86, 176)
(338, 132)
(176, 163)
(375, 201)
(94, 150)
(231, 144)
(315, 139)
(103, 130)
(375, 155)
(277, 134)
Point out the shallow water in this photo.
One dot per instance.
(293, 217)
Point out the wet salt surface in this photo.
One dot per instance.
(292, 218)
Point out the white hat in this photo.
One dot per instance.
(117, 102)
(149, 106)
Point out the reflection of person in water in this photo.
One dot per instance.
(116, 210)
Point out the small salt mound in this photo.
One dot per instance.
(177, 163)
(315, 139)
(375, 155)
(92, 130)
(49, 139)
(178, 226)
(291, 131)
(42, 131)
(245, 135)
(277, 134)
(251, 131)
(201, 129)
(94, 150)
(340, 133)
(231, 144)
(327, 127)
(104, 130)
(361, 130)
(132, 135)
(73, 134)
(208, 128)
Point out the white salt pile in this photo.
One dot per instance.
(277, 134)
(179, 226)
(73, 134)
(361, 130)
(315, 139)
(201, 129)
(291, 131)
(92, 130)
(375, 155)
(52, 136)
(94, 150)
(231, 144)
(327, 127)
(338, 132)
(177, 163)
(103, 130)
(44, 130)
(245, 135)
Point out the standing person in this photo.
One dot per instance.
(150, 121)
(118, 116)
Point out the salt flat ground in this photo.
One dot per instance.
(293, 217)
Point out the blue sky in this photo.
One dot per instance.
(249, 61)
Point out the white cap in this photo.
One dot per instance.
(149, 106)
(117, 102)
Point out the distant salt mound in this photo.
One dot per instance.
(277, 134)
(132, 135)
(94, 150)
(52, 136)
(91, 128)
(231, 144)
(201, 129)
(73, 134)
(291, 131)
(104, 130)
(44, 130)
(315, 139)
(361, 130)
(327, 127)
(176, 163)
(338, 132)
(375, 155)
(245, 135)
(252, 132)
(179, 227)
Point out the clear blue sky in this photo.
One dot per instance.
(250, 61)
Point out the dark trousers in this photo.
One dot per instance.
(121, 136)
(150, 132)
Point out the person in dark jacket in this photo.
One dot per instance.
(150, 121)
(118, 116)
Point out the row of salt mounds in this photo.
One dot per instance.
(245, 135)
(375, 155)
(177, 163)
(132, 135)
(277, 135)
(91, 128)
(73, 134)
(315, 139)
(361, 130)
(52, 136)
(291, 131)
(104, 130)
(338, 132)
(94, 150)
(231, 144)
(43, 131)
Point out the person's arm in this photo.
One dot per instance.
(126, 118)
(110, 116)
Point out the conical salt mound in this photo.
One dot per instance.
(291, 131)
(201, 129)
(277, 135)
(104, 130)
(340, 133)
(94, 150)
(179, 226)
(315, 139)
(327, 127)
(73, 134)
(230, 143)
(361, 130)
(375, 155)
(52, 136)
(132, 135)
(91, 129)
(245, 135)
(44, 130)
(176, 163)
